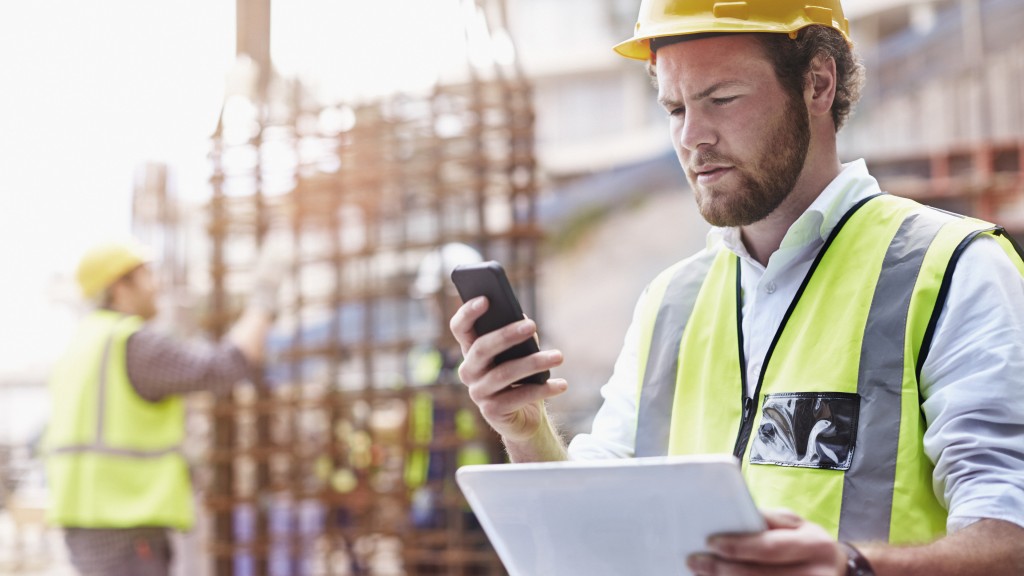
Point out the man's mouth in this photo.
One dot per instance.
(710, 174)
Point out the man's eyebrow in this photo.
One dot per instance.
(667, 102)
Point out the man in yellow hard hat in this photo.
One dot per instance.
(860, 354)
(117, 479)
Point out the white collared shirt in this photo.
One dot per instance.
(972, 380)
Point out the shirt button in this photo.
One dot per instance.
(770, 287)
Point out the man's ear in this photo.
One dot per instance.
(820, 88)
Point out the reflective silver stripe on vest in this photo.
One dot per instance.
(109, 451)
(868, 486)
(99, 445)
(654, 416)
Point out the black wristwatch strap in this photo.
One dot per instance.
(856, 563)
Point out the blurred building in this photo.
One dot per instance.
(943, 96)
(942, 117)
(595, 110)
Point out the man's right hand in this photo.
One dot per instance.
(515, 412)
(250, 331)
(272, 265)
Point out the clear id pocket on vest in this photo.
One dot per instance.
(807, 429)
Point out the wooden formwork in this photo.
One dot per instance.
(307, 470)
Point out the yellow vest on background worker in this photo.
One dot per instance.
(834, 432)
(426, 368)
(114, 458)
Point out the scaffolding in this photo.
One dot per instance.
(311, 470)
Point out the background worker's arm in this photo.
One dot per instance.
(160, 365)
(517, 413)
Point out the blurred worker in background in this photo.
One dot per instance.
(438, 359)
(445, 435)
(117, 479)
(858, 352)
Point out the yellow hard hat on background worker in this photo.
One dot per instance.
(660, 18)
(105, 263)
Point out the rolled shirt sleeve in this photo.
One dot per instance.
(972, 385)
(160, 365)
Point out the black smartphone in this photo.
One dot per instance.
(489, 279)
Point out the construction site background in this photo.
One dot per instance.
(534, 144)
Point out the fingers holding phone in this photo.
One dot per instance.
(482, 368)
(506, 372)
(514, 411)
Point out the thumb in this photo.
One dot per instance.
(780, 518)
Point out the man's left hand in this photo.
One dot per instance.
(791, 546)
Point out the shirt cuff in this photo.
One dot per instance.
(1002, 502)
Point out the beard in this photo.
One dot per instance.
(765, 181)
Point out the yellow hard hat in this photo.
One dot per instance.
(659, 18)
(105, 263)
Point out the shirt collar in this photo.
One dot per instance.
(852, 185)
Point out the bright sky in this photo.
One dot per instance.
(93, 88)
(90, 90)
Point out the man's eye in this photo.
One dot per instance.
(677, 111)
(721, 101)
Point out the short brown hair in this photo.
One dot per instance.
(791, 59)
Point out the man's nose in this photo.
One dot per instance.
(696, 131)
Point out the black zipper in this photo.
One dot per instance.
(746, 424)
(745, 401)
(748, 403)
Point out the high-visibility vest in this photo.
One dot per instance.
(427, 365)
(113, 458)
(834, 431)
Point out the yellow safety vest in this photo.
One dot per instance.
(113, 458)
(426, 365)
(835, 428)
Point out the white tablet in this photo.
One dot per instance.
(608, 517)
